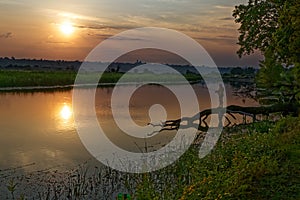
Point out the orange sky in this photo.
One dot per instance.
(71, 29)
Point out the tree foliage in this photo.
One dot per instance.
(273, 28)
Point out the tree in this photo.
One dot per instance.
(237, 71)
(273, 28)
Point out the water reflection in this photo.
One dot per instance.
(64, 116)
(66, 112)
(39, 127)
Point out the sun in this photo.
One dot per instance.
(67, 28)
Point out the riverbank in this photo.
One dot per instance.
(255, 161)
(16, 79)
(37, 80)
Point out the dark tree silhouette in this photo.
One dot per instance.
(273, 28)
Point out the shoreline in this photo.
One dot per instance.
(63, 80)
(86, 86)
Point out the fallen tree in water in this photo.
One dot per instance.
(200, 118)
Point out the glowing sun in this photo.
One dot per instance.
(67, 28)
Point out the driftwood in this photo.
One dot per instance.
(200, 118)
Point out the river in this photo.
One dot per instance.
(38, 128)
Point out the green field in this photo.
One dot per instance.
(15, 78)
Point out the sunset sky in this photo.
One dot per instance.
(71, 29)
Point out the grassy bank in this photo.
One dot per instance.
(35, 78)
(256, 161)
(61, 78)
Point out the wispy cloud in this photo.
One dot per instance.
(6, 35)
(175, 19)
(57, 42)
(227, 19)
(53, 40)
(100, 35)
(224, 39)
(89, 22)
(105, 27)
(128, 38)
(11, 2)
(76, 16)
(224, 7)
(68, 15)
(109, 36)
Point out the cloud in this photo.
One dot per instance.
(90, 22)
(228, 40)
(11, 2)
(227, 37)
(100, 35)
(68, 15)
(105, 27)
(52, 40)
(6, 35)
(127, 38)
(224, 7)
(58, 42)
(109, 37)
(227, 19)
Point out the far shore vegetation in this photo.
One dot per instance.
(19, 78)
(38, 78)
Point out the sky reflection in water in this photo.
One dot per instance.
(39, 127)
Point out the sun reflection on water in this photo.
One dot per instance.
(66, 112)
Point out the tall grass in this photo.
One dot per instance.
(257, 161)
(35, 78)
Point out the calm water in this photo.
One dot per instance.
(39, 127)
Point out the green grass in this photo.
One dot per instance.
(248, 164)
(19, 78)
(35, 78)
